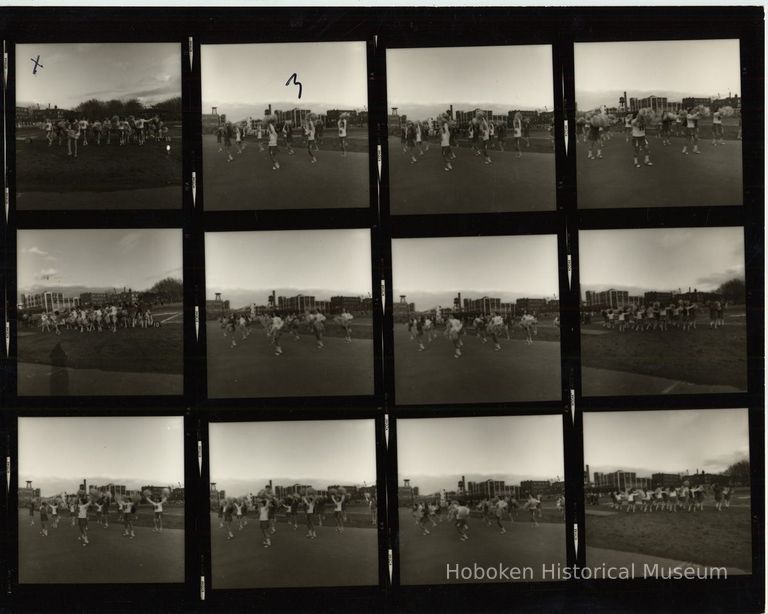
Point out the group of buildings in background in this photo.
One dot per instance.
(462, 118)
(301, 303)
(476, 491)
(214, 119)
(486, 305)
(50, 301)
(618, 299)
(354, 491)
(29, 494)
(661, 103)
(628, 480)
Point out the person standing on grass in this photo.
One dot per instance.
(73, 136)
(338, 512)
(445, 142)
(228, 510)
(342, 125)
(83, 504)
(309, 511)
(157, 507)
(264, 507)
(517, 132)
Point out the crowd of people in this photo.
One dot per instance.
(492, 511)
(494, 327)
(683, 498)
(275, 326)
(110, 317)
(123, 131)
(681, 315)
(309, 134)
(484, 135)
(97, 506)
(306, 506)
(595, 129)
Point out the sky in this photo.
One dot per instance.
(666, 441)
(57, 453)
(430, 272)
(660, 259)
(244, 456)
(435, 452)
(241, 80)
(246, 266)
(603, 71)
(97, 258)
(74, 72)
(422, 82)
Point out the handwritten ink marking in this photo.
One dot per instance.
(37, 64)
(294, 79)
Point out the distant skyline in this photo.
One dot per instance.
(422, 82)
(57, 453)
(675, 69)
(662, 259)
(244, 456)
(90, 259)
(246, 266)
(430, 272)
(668, 441)
(75, 72)
(242, 79)
(435, 452)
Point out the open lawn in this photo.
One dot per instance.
(101, 177)
(713, 178)
(424, 558)
(293, 560)
(508, 184)
(251, 369)
(702, 360)
(519, 372)
(109, 558)
(250, 183)
(705, 538)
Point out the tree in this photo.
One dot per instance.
(733, 291)
(168, 110)
(739, 472)
(92, 109)
(168, 289)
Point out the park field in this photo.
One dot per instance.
(708, 538)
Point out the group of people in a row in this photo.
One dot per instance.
(684, 498)
(682, 315)
(97, 505)
(109, 317)
(272, 133)
(123, 131)
(491, 326)
(307, 502)
(275, 325)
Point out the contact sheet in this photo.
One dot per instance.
(396, 309)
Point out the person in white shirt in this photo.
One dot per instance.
(445, 142)
(338, 512)
(517, 131)
(342, 125)
(309, 509)
(316, 320)
(276, 330)
(157, 506)
(453, 329)
(485, 136)
(639, 139)
(495, 328)
(263, 507)
(346, 323)
(83, 503)
(272, 136)
(691, 119)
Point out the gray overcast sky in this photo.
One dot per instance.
(98, 258)
(443, 449)
(431, 271)
(666, 441)
(259, 261)
(665, 68)
(246, 455)
(332, 74)
(74, 72)
(660, 258)
(57, 453)
(504, 77)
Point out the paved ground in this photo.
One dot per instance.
(250, 183)
(109, 558)
(713, 178)
(423, 558)
(293, 560)
(519, 372)
(252, 370)
(509, 184)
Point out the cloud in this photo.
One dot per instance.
(716, 279)
(34, 250)
(46, 274)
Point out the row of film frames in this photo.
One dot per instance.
(412, 218)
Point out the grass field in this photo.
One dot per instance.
(293, 560)
(509, 184)
(100, 177)
(713, 178)
(250, 183)
(705, 357)
(252, 370)
(519, 372)
(703, 538)
(109, 558)
(423, 558)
